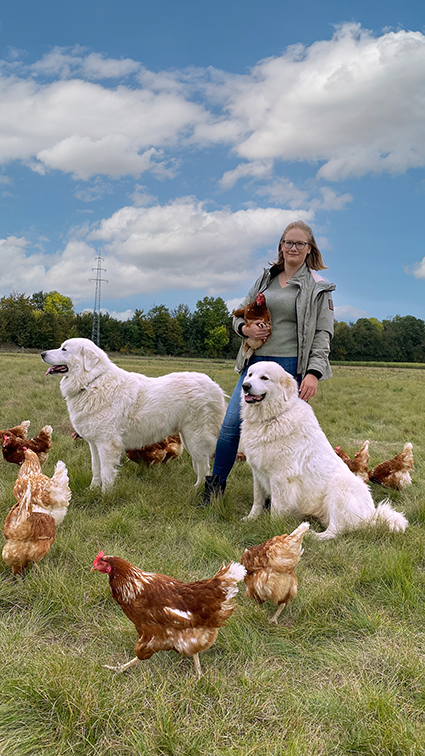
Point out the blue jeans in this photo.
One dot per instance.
(228, 440)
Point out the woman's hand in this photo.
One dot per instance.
(308, 387)
(256, 330)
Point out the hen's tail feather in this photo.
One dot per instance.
(60, 479)
(25, 424)
(300, 531)
(231, 575)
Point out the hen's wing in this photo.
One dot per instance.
(281, 553)
(42, 443)
(28, 534)
(151, 599)
(403, 461)
(18, 430)
(394, 473)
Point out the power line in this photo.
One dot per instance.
(95, 333)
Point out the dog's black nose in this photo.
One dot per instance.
(42, 355)
(246, 387)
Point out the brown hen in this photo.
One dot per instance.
(394, 473)
(13, 446)
(28, 534)
(48, 495)
(270, 569)
(163, 451)
(254, 311)
(359, 464)
(18, 430)
(168, 614)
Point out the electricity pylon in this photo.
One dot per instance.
(95, 333)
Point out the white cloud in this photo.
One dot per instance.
(67, 62)
(20, 271)
(87, 129)
(114, 155)
(282, 192)
(417, 269)
(233, 304)
(182, 245)
(350, 314)
(256, 169)
(94, 192)
(350, 105)
(330, 200)
(126, 315)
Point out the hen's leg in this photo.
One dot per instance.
(197, 665)
(121, 667)
(274, 619)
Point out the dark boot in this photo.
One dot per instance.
(213, 487)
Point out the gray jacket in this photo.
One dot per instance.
(315, 319)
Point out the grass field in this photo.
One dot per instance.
(342, 674)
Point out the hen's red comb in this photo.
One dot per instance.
(97, 559)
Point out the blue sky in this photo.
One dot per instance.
(177, 138)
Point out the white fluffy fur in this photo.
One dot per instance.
(115, 410)
(293, 462)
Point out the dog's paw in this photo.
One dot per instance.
(250, 516)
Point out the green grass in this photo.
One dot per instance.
(343, 673)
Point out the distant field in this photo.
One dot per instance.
(342, 674)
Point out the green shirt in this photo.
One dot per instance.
(281, 304)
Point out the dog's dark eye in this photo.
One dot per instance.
(63, 349)
(264, 378)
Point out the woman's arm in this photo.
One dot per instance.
(318, 357)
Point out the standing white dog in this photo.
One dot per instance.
(293, 462)
(115, 410)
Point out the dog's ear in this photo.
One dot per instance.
(284, 390)
(287, 384)
(90, 359)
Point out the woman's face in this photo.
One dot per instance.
(294, 256)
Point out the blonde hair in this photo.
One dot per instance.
(314, 259)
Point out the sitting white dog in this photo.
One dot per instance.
(294, 464)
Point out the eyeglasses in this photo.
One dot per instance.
(299, 246)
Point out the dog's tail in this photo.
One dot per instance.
(384, 514)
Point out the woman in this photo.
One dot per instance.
(301, 308)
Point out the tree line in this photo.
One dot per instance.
(45, 319)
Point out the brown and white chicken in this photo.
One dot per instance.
(18, 430)
(13, 446)
(163, 451)
(359, 464)
(270, 567)
(28, 534)
(394, 473)
(48, 495)
(255, 311)
(168, 614)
